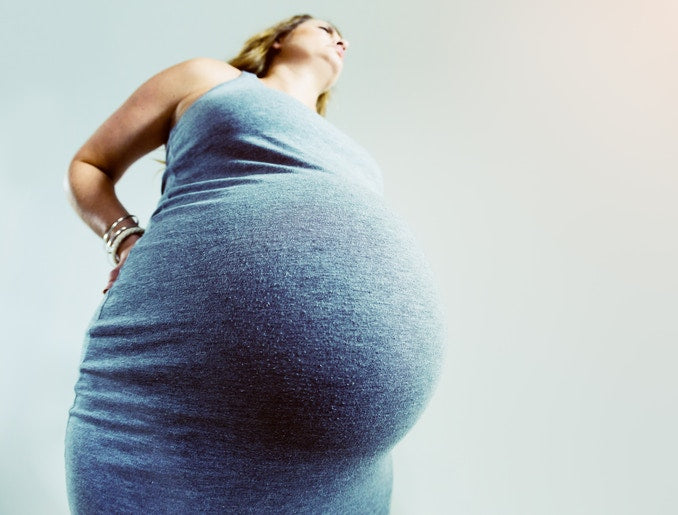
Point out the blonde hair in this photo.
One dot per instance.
(257, 53)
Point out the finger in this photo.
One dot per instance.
(112, 277)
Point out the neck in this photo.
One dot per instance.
(302, 83)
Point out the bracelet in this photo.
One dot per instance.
(115, 245)
(107, 235)
(111, 241)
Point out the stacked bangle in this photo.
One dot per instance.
(107, 234)
(113, 240)
(113, 250)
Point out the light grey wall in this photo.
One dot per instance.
(532, 146)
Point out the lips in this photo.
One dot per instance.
(340, 51)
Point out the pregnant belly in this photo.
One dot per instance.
(291, 317)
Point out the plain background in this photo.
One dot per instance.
(532, 146)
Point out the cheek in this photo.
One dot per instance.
(301, 40)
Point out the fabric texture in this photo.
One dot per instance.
(270, 338)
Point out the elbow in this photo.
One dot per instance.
(78, 181)
(85, 182)
(68, 182)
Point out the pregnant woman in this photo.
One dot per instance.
(274, 332)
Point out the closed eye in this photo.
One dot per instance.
(329, 30)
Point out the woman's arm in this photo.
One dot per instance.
(139, 126)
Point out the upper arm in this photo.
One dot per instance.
(142, 123)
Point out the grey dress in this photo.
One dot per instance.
(269, 339)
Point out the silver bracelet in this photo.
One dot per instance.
(108, 245)
(115, 245)
(107, 234)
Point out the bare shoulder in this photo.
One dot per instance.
(190, 77)
(180, 82)
(142, 123)
(205, 69)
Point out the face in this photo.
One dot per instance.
(314, 38)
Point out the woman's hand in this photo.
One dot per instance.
(123, 252)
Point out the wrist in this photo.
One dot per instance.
(122, 239)
(117, 227)
(127, 245)
(121, 236)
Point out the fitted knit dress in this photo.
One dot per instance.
(269, 339)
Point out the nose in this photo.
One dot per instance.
(342, 42)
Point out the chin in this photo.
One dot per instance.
(336, 68)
